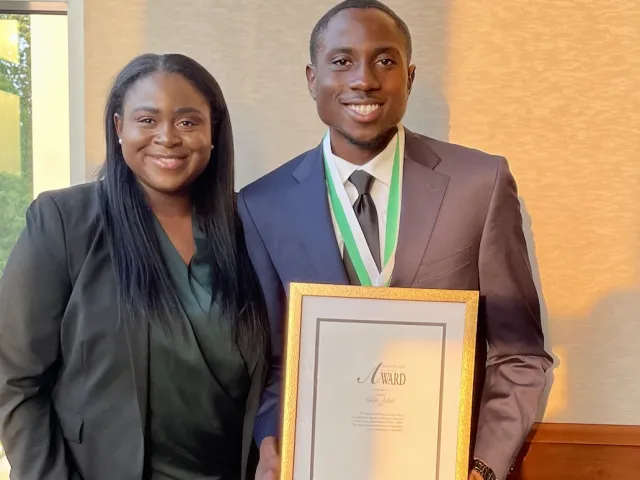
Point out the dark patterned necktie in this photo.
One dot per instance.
(367, 216)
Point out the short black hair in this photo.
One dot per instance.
(321, 26)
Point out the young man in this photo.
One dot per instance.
(459, 228)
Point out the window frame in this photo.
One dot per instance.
(33, 8)
(74, 10)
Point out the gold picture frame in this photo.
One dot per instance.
(297, 294)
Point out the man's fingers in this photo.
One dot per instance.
(269, 470)
(268, 448)
(269, 465)
(271, 475)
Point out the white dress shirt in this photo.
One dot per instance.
(381, 168)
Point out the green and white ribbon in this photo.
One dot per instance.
(354, 240)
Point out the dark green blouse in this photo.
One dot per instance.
(199, 381)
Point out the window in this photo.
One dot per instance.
(34, 115)
(34, 111)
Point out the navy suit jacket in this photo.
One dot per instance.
(460, 228)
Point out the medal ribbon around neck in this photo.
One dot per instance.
(350, 229)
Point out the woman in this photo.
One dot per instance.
(134, 333)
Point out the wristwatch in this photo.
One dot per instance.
(484, 470)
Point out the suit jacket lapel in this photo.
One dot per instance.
(310, 214)
(132, 332)
(423, 190)
(138, 341)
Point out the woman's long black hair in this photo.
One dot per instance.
(144, 287)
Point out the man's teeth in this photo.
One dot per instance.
(364, 109)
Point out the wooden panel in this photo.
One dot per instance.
(577, 451)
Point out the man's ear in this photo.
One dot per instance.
(311, 80)
(411, 78)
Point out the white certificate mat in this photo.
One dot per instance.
(381, 385)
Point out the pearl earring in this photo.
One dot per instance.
(212, 147)
(120, 141)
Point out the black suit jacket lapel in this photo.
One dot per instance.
(137, 333)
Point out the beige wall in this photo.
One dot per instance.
(554, 86)
(114, 32)
(551, 84)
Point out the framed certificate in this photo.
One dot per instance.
(378, 383)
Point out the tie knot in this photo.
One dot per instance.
(362, 181)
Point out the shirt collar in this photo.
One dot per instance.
(380, 167)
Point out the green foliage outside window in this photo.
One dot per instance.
(16, 190)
